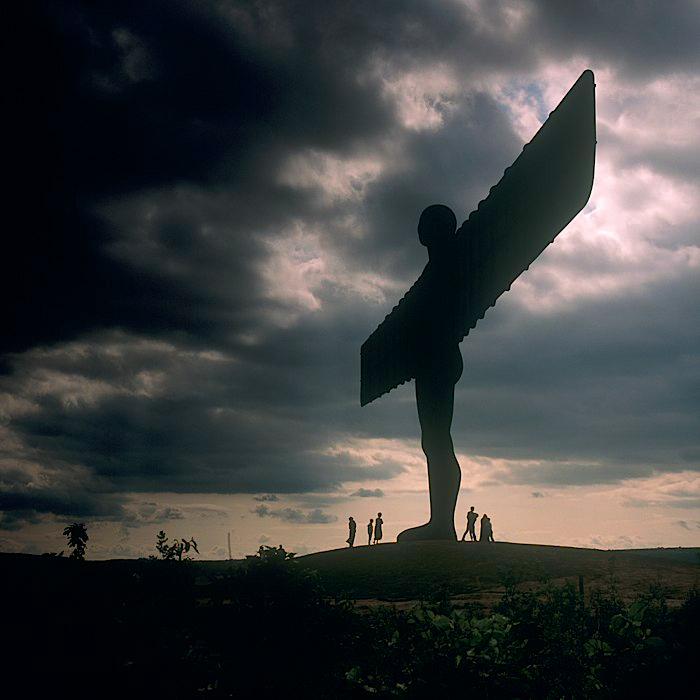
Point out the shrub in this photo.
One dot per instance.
(174, 550)
(77, 540)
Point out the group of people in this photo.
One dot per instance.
(374, 529)
(486, 533)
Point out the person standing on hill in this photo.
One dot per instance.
(352, 526)
(486, 534)
(378, 528)
(370, 529)
(471, 521)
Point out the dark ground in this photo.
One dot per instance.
(138, 628)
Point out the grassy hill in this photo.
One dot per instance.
(401, 574)
(472, 572)
(479, 572)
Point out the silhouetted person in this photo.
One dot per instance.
(486, 534)
(471, 521)
(370, 530)
(378, 528)
(352, 527)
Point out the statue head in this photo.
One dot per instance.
(437, 224)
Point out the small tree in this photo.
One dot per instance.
(176, 549)
(77, 540)
(162, 546)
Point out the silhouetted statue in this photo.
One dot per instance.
(352, 527)
(378, 534)
(471, 520)
(486, 533)
(370, 530)
(467, 270)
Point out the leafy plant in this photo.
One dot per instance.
(174, 550)
(77, 540)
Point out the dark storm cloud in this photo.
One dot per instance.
(636, 39)
(149, 513)
(76, 504)
(62, 489)
(679, 161)
(187, 446)
(596, 395)
(319, 517)
(203, 102)
(136, 98)
(455, 166)
(141, 98)
(294, 515)
(12, 519)
(21, 506)
(613, 383)
(368, 493)
(149, 196)
(145, 416)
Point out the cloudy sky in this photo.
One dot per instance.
(215, 203)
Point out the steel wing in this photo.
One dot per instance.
(544, 189)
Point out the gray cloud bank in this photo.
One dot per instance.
(294, 515)
(184, 308)
(368, 493)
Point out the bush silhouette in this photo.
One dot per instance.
(174, 550)
(77, 540)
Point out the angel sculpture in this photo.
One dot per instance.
(467, 270)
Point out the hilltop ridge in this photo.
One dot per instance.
(479, 571)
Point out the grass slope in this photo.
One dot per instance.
(479, 571)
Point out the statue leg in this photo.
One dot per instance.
(435, 401)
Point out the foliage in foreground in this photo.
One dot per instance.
(77, 540)
(543, 645)
(534, 645)
(267, 629)
(174, 550)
